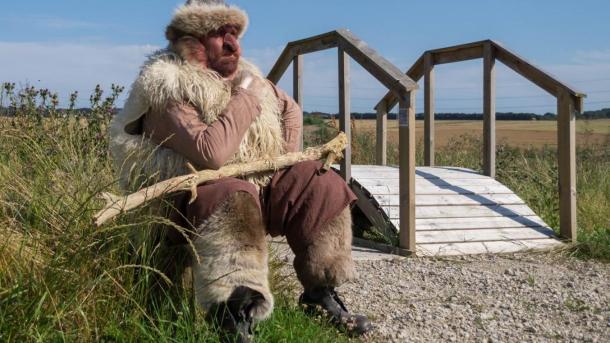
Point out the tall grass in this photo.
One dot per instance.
(530, 172)
(61, 279)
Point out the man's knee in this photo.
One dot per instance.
(224, 187)
(211, 194)
(306, 167)
(325, 181)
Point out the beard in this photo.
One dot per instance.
(225, 65)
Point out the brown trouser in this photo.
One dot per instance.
(231, 218)
(297, 203)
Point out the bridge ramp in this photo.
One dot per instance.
(458, 211)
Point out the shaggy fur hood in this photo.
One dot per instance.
(198, 18)
(165, 78)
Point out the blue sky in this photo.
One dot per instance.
(73, 45)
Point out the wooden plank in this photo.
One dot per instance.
(464, 211)
(345, 112)
(459, 47)
(373, 213)
(496, 247)
(391, 174)
(381, 148)
(416, 72)
(423, 182)
(489, 111)
(432, 170)
(459, 55)
(386, 248)
(280, 65)
(312, 44)
(453, 199)
(297, 87)
(442, 169)
(381, 190)
(471, 50)
(299, 47)
(406, 138)
(508, 234)
(424, 224)
(428, 110)
(566, 145)
(536, 75)
(379, 67)
(426, 172)
(433, 190)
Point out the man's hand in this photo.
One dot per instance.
(250, 82)
(191, 50)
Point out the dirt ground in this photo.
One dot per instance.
(515, 133)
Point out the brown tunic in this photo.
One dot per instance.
(210, 146)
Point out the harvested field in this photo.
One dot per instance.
(515, 133)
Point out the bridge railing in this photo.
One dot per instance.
(401, 87)
(569, 102)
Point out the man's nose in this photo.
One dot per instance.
(231, 42)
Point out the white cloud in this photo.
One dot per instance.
(65, 67)
(594, 56)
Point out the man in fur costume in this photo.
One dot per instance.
(198, 101)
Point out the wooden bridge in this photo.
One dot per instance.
(443, 210)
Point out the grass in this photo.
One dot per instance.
(63, 280)
(530, 171)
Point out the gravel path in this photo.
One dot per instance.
(485, 298)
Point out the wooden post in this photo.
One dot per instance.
(297, 86)
(489, 110)
(406, 137)
(428, 110)
(381, 148)
(566, 148)
(345, 113)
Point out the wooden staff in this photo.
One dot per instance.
(116, 205)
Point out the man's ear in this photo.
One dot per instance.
(191, 50)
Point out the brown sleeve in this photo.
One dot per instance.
(292, 120)
(206, 146)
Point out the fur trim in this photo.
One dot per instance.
(327, 262)
(166, 78)
(233, 250)
(199, 19)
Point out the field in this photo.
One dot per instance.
(515, 133)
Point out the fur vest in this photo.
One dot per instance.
(166, 78)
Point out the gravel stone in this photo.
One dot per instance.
(531, 297)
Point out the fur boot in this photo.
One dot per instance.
(327, 261)
(232, 249)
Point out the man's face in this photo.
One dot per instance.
(223, 50)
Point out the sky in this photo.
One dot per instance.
(68, 45)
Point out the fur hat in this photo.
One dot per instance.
(199, 17)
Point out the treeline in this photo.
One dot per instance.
(598, 114)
